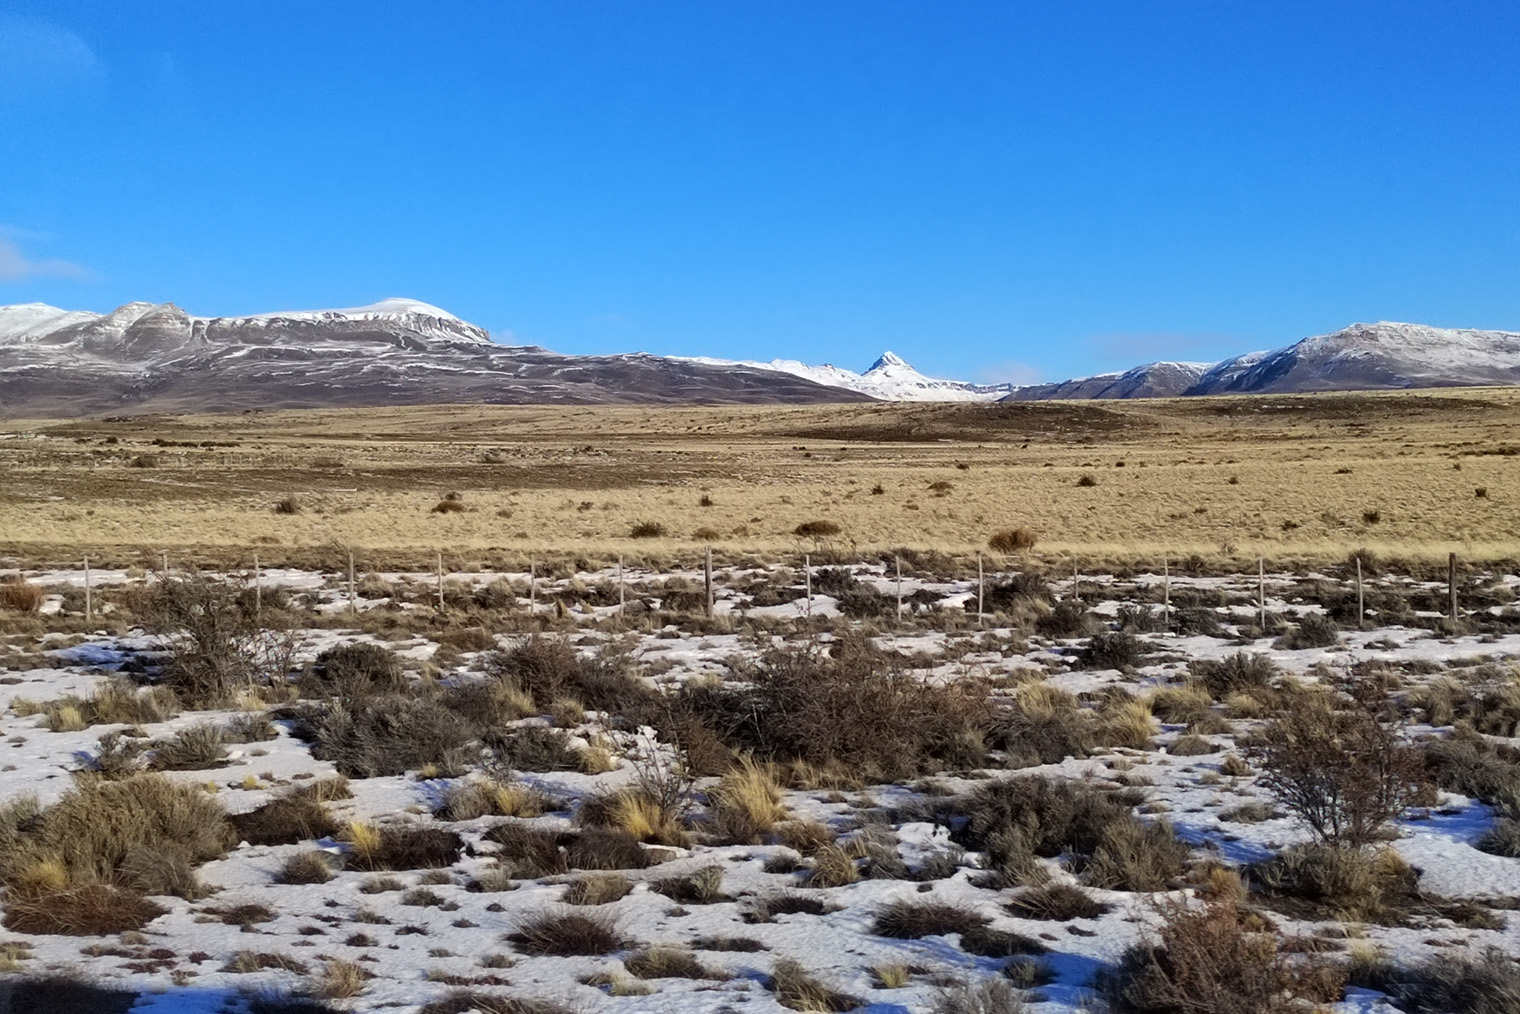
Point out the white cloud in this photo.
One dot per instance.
(16, 266)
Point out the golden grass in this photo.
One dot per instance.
(746, 802)
(1226, 479)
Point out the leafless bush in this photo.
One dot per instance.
(389, 735)
(1239, 673)
(216, 645)
(1206, 961)
(1344, 772)
(20, 597)
(647, 530)
(356, 669)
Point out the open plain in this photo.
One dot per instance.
(1222, 480)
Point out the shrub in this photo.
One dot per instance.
(534, 748)
(485, 797)
(990, 996)
(1486, 984)
(94, 909)
(1350, 882)
(550, 669)
(1206, 961)
(1044, 726)
(20, 597)
(667, 963)
(1135, 856)
(528, 851)
(1183, 705)
(905, 919)
(192, 749)
(597, 889)
(449, 507)
(847, 710)
(1342, 773)
(357, 669)
(488, 1003)
(647, 530)
(1313, 630)
(1011, 540)
(746, 803)
(306, 868)
(1067, 619)
(817, 530)
(832, 866)
(401, 848)
(796, 989)
(600, 848)
(391, 734)
(215, 643)
(1238, 673)
(1469, 764)
(1056, 902)
(1112, 650)
(701, 887)
(1087, 480)
(1127, 721)
(565, 933)
(287, 505)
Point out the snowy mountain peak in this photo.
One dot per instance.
(889, 360)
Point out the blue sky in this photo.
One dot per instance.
(993, 190)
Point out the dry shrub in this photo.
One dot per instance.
(389, 735)
(194, 749)
(1183, 705)
(806, 836)
(20, 597)
(907, 919)
(746, 803)
(1337, 880)
(700, 887)
(354, 670)
(868, 715)
(601, 848)
(488, 1003)
(285, 820)
(1240, 673)
(820, 529)
(597, 889)
(486, 797)
(797, 989)
(565, 933)
(1044, 725)
(306, 868)
(287, 505)
(1486, 984)
(1066, 619)
(341, 979)
(90, 910)
(1127, 721)
(1056, 902)
(216, 644)
(832, 866)
(550, 668)
(95, 828)
(1344, 773)
(1467, 763)
(401, 848)
(1011, 540)
(1192, 746)
(1112, 650)
(1206, 961)
(667, 963)
(1135, 856)
(647, 530)
(534, 748)
(528, 851)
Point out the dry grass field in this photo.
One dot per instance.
(1296, 479)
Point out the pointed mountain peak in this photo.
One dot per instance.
(889, 360)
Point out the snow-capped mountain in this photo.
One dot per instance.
(401, 351)
(1361, 357)
(890, 378)
(397, 351)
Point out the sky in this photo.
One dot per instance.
(995, 191)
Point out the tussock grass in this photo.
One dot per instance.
(798, 989)
(597, 889)
(746, 805)
(907, 919)
(563, 933)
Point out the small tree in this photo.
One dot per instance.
(1343, 768)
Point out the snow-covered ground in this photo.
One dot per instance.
(416, 944)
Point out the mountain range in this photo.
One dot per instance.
(146, 356)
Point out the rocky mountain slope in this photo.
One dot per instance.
(157, 356)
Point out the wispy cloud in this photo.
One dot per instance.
(40, 57)
(16, 266)
(1009, 373)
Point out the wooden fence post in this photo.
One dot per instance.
(897, 560)
(1076, 587)
(707, 577)
(440, 581)
(89, 610)
(1166, 593)
(1261, 591)
(532, 587)
(258, 590)
(807, 571)
(1360, 601)
(981, 588)
(353, 606)
(1451, 583)
(622, 600)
